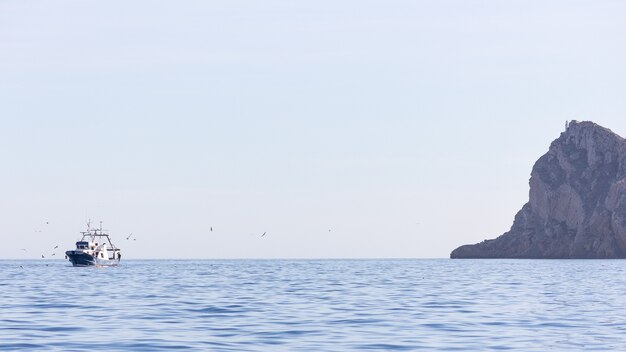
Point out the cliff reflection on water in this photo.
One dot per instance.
(314, 305)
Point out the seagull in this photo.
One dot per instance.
(128, 237)
(263, 234)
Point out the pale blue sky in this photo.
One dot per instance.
(407, 127)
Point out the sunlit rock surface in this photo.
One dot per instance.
(577, 202)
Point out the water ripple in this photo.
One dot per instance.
(323, 305)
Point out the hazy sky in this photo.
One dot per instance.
(407, 128)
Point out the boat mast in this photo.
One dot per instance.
(98, 232)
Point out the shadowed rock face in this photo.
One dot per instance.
(577, 205)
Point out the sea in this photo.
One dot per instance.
(314, 305)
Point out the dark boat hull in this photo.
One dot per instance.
(84, 259)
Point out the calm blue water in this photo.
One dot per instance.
(325, 305)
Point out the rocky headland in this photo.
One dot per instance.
(577, 202)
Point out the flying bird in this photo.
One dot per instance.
(263, 234)
(53, 254)
(57, 246)
(42, 256)
(211, 228)
(23, 249)
(21, 267)
(46, 223)
(128, 237)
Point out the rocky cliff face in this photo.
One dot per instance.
(577, 205)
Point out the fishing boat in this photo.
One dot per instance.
(94, 249)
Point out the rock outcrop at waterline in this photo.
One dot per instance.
(577, 205)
